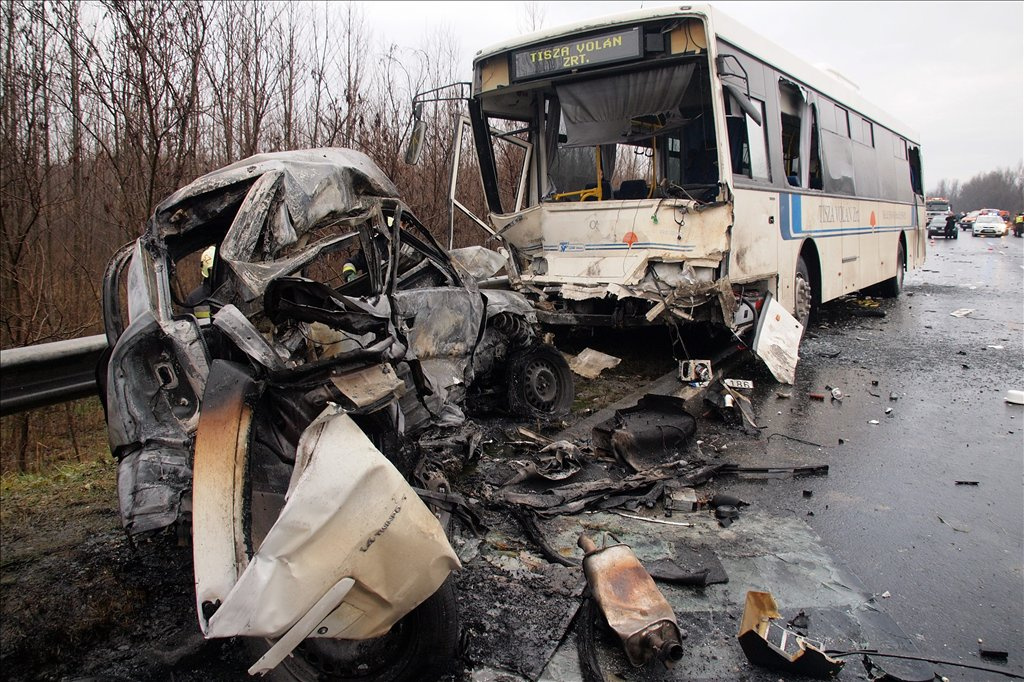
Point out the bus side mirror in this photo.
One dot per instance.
(419, 129)
(745, 104)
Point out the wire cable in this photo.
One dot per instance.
(925, 659)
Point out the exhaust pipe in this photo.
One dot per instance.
(632, 604)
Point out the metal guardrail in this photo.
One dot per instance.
(49, 373)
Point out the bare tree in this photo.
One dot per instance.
(107, 107)
(25, 171)
(290, 65)
(258, 77)
(1002, 188)
(324, 54)
(221, 69)
(533, 17)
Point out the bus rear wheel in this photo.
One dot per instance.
(892, 287)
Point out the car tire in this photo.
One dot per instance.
(892, 287)
(421, 646)
(539, 382)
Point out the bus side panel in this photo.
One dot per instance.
(917, 241)
(800, 228)
(872, 249)
(754, 252)
(856, 239)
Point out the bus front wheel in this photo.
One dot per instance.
(804, 293)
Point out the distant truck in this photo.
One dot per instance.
(937, 206)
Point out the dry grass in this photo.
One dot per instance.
(60, 434)
(41, 506)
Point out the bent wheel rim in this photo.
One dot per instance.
(540, 384)
(803, 300)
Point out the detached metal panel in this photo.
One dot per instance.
(49, 373)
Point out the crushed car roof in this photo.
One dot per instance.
(316, 182)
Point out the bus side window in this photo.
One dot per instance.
(739, 145)
(814, 170)
(791, 106)
(748, 145)
(674, 159)
(915, 171)
(799, 137)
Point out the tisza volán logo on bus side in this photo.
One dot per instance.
(837, 213)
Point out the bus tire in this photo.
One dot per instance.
(892, 287)
(803, 285)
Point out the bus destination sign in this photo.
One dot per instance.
(567, 55)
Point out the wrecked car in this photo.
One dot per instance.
(279, 336)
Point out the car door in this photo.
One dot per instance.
(439, 314)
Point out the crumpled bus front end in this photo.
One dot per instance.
(585, 264)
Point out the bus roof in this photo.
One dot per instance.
(731, 31)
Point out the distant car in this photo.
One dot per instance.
(989, 224)
(937, 227)
(967, 222)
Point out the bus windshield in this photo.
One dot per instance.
(613, 133)
(612, 130)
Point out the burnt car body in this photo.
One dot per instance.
(291, 328)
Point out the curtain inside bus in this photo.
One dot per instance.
(603, 110)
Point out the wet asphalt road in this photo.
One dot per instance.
(949, 556)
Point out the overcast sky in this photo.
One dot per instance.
(952, 71)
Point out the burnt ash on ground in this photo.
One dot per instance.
(81, 602)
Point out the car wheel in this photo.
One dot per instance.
(803, 305)
(892, 287)
(539, 382)
(421, 646)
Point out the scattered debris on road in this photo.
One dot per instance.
(768, 644)
(589, 363)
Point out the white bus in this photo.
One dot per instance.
(673, 166)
